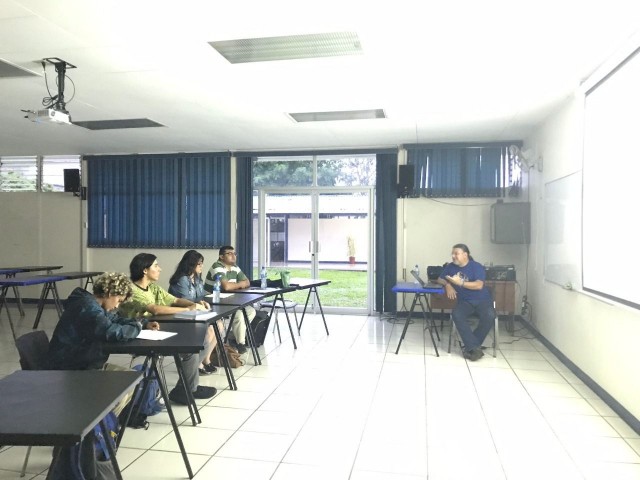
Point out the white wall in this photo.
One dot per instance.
(600, 338)
(41, 229)
(429, 228)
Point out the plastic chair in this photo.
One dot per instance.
(289, 305)
(33, 348)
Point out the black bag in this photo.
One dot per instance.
(259, 327)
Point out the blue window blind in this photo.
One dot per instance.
(462, 171)
(159, 201)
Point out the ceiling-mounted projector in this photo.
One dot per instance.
(48, 115)
(55, 110)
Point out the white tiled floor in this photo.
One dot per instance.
(345, 406)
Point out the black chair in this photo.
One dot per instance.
(33, 348)
(288, 305)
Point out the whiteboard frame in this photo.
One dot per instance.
(563, 220)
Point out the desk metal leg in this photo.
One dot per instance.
(430, 324)
(16, 294)
(224, 360)
(428, 321)
(271, 312)
(3, 303)
(250, 340)
(304, 311)
(315, 289)
(406, 323)
(56, 298)
(286, 314)
(167, 402)
(43, 298)
(315, 292)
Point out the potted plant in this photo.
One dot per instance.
(351, 250)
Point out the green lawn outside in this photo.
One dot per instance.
(348, 288)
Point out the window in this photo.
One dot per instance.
(329, 170)
(18, 174)
(463, 170)
(53, 168)
(35, 174)
(159, 201)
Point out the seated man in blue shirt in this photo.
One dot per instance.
(463, 279)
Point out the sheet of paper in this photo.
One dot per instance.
(155, 334)
(222, 295)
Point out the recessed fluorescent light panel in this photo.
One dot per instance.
(343, 115)
(116, 124)
(8, 70)
(289, 47)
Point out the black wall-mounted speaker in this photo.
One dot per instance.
(406, 174)
(72, 180)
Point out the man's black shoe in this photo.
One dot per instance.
(474, 355)
(177, 395)
(204, 392)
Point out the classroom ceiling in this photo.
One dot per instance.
(440, 71)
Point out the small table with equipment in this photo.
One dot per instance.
(420, 293)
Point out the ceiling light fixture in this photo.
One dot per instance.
(289, 47)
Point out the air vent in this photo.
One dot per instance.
(118, 124)
(289, 47)
(8, 70)
(343, 115)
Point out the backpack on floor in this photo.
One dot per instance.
(235, 359)
(89, 459)
(143, 407)
(260, 326)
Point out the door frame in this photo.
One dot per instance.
(315, 193)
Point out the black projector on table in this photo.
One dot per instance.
(501, 272)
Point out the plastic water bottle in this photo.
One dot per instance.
(263, 277)
(216, 289)
(417, 269)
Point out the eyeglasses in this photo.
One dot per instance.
(232, 253)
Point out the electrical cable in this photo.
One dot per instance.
(74, 89)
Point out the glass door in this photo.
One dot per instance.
(319, 233)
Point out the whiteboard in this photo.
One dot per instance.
(562, 231)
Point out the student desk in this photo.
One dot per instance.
(419, 293)
(312, 285)
(58, 408)
(12, 271)
(189, 339)
(240, 299)
(221, 311)
(278, 294)
(49, 286)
